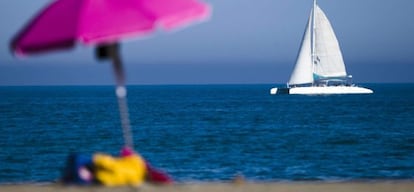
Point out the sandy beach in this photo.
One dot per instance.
(357, 186)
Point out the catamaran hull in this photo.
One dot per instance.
(328, 90)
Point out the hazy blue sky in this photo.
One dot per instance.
(245, 41)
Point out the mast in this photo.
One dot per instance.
(313, 38)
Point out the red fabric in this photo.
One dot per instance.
(157, 176)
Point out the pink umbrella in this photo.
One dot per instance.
(104, 23)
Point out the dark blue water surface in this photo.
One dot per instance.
(212, 132)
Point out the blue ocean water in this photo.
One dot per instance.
(212, 132)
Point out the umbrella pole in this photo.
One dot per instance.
(121, 93)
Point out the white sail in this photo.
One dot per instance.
(328, 61)
(302, 73)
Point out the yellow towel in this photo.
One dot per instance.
(118, 171)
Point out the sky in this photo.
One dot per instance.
(243, 42)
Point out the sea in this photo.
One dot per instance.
(212, 133)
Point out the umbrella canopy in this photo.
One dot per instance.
(65, 22)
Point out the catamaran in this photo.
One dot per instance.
(320, 68)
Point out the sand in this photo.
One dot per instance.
(356, 186)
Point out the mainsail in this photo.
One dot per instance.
(320, 55)
(328, 61)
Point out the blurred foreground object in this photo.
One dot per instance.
(103, 169)
(104, 23)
